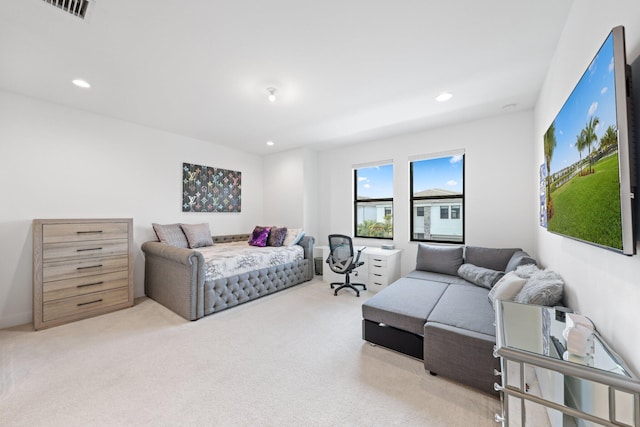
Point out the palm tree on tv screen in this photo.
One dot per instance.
(581, 143)
(609, 138)
(549, 147)
(590, 135)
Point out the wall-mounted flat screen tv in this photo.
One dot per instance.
(588, 151)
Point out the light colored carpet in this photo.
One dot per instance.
(295, 358)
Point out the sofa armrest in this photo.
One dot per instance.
(517, 259)
(174, 277)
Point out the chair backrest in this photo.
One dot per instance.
(341, 253)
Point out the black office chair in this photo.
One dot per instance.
(341, 261)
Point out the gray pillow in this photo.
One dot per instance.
(171, 234)
(526, 271)
(493, 258)
(483, 277)
(519, 258)
(198, 235)
(439, 259)
(544, 287)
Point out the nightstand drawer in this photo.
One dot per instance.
(70, 307)
(62, 270)
(77, 250)
(81, 231)
(85, 285)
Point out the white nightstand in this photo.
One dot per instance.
(381, 267)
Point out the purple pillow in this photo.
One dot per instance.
(259, 236)
(276, 236)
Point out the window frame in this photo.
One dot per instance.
(459, 199)
(374, 200)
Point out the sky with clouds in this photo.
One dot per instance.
(594, 95)
(444, 173)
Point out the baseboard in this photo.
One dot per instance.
(16, 320)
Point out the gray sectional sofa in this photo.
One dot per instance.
(435, 315)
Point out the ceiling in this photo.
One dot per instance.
(345, 70)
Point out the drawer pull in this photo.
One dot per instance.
(88, 249)
(377, 259)
(90, 302)
(379, 275)
(91, 266)
(89, 232)
(90, 284)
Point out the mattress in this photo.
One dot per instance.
(229, 259)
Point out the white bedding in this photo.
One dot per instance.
(229, 259)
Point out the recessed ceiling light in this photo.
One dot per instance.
(444, 96)
(81, 83)
(272, 94)
(270, 143)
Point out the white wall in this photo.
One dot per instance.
(290, 189)
(500, 204)
(57, 162)
(601, 284)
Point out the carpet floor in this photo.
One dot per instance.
(294, 358)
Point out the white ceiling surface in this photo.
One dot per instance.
(345, 70)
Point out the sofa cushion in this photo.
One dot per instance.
(405, 304)
(517, 259)
(544, 287)
(437, 277)
(479, 276)
(439, 259)
(465, 307)
(493, 258)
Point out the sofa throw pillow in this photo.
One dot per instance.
(259, 236)
(171, 234)
(198, 235)
(276, 236)
(493, 258)
(519, 258)
(439, 259)
(506, 288)
(479, 276)
(526, 271)
(293, 237)
(544, 287)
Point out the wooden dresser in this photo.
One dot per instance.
(81, 268)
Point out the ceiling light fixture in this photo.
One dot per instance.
(272, 94)
(444, 96)
(271, 143)
(81, 83)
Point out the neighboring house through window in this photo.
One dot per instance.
(437, 198)
(373, 200)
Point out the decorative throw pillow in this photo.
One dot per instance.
(276, 236)
(171, 234)
(294, 235)
(544, 287)
(480, 276)
(198, 235)
(526, 271)
(506, 289)
(439, 259)
(259, 236)
(519, 258)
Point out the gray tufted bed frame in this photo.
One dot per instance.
(175, 277)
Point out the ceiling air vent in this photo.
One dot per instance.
(74, 7)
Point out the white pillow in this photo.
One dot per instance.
(507, 288)
(294, 235)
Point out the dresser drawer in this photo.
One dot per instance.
(84, 285)
(83, 304)
(378, 279)
(377, 262)
(84, 231)
(61, 270)
(77, 250)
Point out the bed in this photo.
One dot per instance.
(195, 282)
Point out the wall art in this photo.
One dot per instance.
(209, 189)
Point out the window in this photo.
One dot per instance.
(437, 199)
(373, 201)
